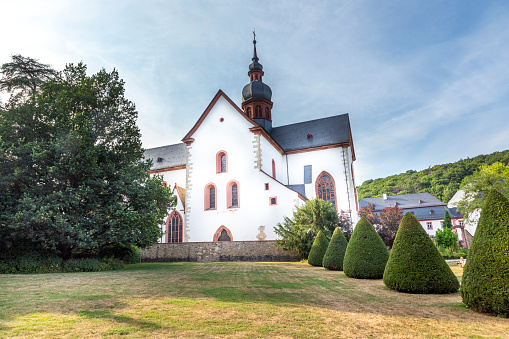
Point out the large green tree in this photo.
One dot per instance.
(72, 173)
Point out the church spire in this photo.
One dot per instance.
(255, 57)
(256, 96)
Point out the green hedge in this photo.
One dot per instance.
(366, 253)
(129, 254)
(38, 263)
(335, 254)
(31, 263)
(485, 284)
(318, 250)
(415, 264)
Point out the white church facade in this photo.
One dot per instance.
(235, 176)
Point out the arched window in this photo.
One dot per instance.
(267, 113)
(248, 111)
(273, 169)
(232, 190)
(258, 111)
(174, 227)
(223, 234)
(221, 162)
(210, 197)
(326, 189)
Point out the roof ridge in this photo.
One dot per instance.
(304, 122)
(180, 143)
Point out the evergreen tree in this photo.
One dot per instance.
(415, 265)
(318, 250)
(333, 258)
(366, 253)
(447, 219)
(485, 284)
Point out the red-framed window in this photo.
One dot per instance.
(222, 234)
(221, 162)
(272, 201)
(174, 226)
(266, 186)
(273, 169)
(429, 225)
(233, 194)
(210, 197)
(326, 188)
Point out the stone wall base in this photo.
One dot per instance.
(218, 251)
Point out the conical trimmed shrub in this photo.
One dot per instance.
(415, 264)
(333, 258)
(485, 284)
(318, 250)
(366, 254)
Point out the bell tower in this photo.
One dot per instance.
(256, 96)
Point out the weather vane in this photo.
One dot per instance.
(254, 36)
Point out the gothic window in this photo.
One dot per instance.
(210, 197)
(221, 162)
(223, 234)
(258, 111)
(326, 189)
(174, 227)
(233, 194)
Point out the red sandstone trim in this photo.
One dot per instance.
(218, 161)
(206, 204)
(176, 168)
(218, 233)
(229, 194)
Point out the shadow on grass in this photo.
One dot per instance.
(108, 315)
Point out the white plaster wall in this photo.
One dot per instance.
(175, 177)
(436, 225)
(329, 160)
(268, 152)
(233, 136)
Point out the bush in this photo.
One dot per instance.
(366, 254)
(318, 250)
(83, 265)
(299, 233)
(92, 265)
(415, 264)
(485, 284)
(31, 263)
(333, 258)
(129, 254)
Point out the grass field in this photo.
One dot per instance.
(237, 299)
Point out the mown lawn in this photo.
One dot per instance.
(238, 299)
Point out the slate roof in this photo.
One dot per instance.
(429, 209)
(298, 188)
(326, 131)
(405, 201)
(171, 156)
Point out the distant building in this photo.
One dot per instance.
(235, 176)
(473, 219)
(427, 209)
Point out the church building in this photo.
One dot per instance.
(235, 176)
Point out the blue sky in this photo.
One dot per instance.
(424, 82)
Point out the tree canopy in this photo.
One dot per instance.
(72, 172)
(441, 181)
(386, 222)
(475, 187)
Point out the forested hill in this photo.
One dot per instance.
(442, 181)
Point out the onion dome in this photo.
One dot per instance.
(256, 90)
